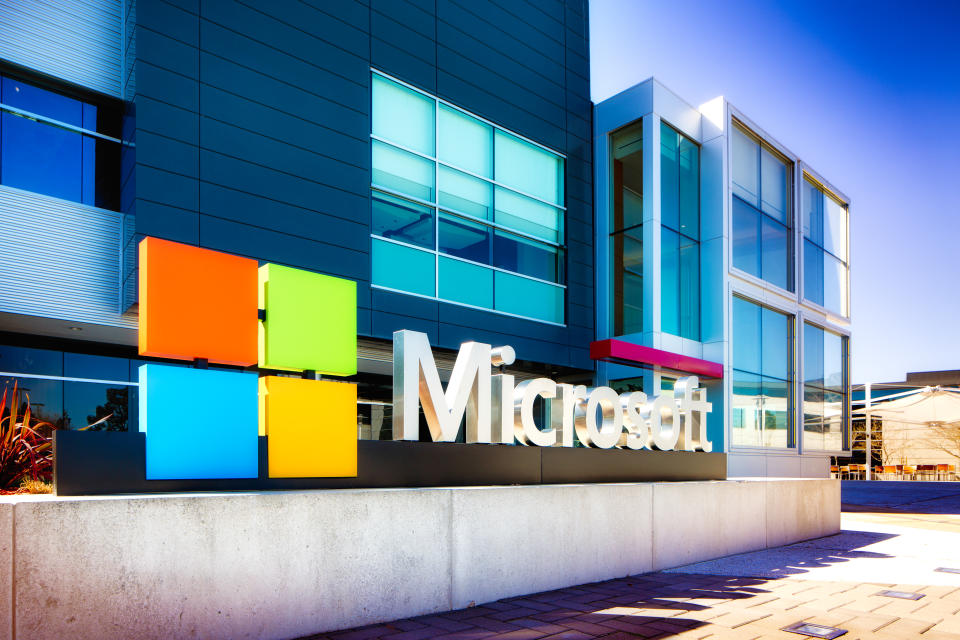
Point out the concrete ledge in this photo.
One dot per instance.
(285, 565)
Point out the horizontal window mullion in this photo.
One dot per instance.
(479, 264)
(56, 123)
(465, 216)
(37, 376)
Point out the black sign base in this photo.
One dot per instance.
(104, 462)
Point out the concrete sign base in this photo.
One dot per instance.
(290, 564)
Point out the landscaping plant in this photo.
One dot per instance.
(26, 446)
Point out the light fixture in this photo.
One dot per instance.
(75, 328)
(812, 630)
(947, 570)
(906, 595)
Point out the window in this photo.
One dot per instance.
(824, 248)
(72, 390)
(825, 389)
(763, 376)
(627, 231)
(679, 234)
(762, 214)
(472, 213)
(58, 146)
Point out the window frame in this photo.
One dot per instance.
(493, 227)
(794, 320)
(111, 106)
(845, 435)
(826, 192)
(680, 234)
(792, 288)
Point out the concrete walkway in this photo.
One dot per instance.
(895, 535)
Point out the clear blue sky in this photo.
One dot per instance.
(868, 94)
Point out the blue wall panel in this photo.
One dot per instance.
(253, 124)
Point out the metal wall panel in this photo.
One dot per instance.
(74, 40)
(59, 259)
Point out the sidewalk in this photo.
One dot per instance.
(895, 534)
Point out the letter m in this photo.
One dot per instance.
(416, 382)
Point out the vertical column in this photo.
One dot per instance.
(651, 230)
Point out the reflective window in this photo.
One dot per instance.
(825, 389)
(626, 227)
(58, 146)
(679, 234)
(762, 216)
(762, 376)
(69, 390)
(824, 248)
(462, 201)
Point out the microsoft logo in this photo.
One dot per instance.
(205, 306)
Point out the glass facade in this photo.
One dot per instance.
(626, 237)
(679, 234)
(58, 146)
(464, 211)
(825, 389)
(762, 212)
(824, 248)
(763, 376)
(72, 390)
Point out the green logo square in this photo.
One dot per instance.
(311, 321)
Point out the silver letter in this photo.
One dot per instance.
(637, 435)
(524, 424)
(468, 392)
(607, 434)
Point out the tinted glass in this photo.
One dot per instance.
(669, 177)
(813, 417)
(42, 102)
(775, 337)
(746, 335)
(525, 297)
(746, 238)
(403, 116)
(465, 142)
(464, 239)
(45, 398)
(528, 215)
(834, 284)
(812, 272)
(747, 409)
(773, 186)
(37, 361)
(632, 208)
(465, 194)
(515, 253)
(466, 283)
(774, 243)
(669, 281)
(813, 354)
(835, 228)
(833, 361)
(528, 168)
(746, 170)
(402, 220)
(812, 212)
(41, 158)
(776, 413)
(87, 403)
(77, 365)
(689, 184)
(403, 268)
(404, 172)
(632, 303)
(689, 289)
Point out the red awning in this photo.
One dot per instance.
(621, 352)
